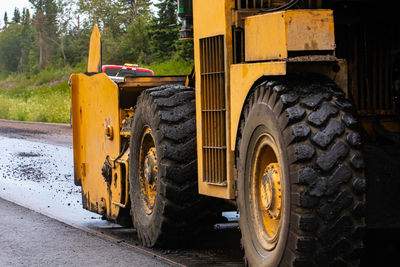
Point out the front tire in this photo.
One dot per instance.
(301, 191)
(166, 207)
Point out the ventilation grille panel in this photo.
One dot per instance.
(213, 109)
(246, 4)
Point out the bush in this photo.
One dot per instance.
(45, 103)
(171, 67)
(4, 107)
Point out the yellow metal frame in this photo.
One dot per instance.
(99, 107)
(95, 112)
(269, 39)
(210, 22)
(97, 102)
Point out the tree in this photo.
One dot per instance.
(64, 17)
(57, 33)
(165, 30)
(5, 19)
(135, 44)
(17, 16)
(28, 43)
(107, 14)
(10, 48)
(137, 8)
(46, 25)
(26, 16)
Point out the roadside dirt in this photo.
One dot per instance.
(50, 133)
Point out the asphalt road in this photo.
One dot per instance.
(28, 238)
(36, 173)
(30, 177)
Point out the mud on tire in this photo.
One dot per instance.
(178, 212)
(317, 131)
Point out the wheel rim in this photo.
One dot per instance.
(266, 192)
(148, 171)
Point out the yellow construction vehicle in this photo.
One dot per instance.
(268, 126)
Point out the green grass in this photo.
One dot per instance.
(171, 67)
(46, 96)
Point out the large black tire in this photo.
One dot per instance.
(318, 148)
(169, 111)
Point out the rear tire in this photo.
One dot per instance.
(316, 146)
(166, 209)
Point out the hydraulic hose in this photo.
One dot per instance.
(289, 5)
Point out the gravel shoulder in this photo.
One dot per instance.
(49, 133)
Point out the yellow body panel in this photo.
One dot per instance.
(209, 17)
(243, 76)
(210, 22)
(95, 108)
(212, 18)
(265, 37)
(272, 36)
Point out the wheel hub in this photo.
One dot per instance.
(150, 166)
(271, 191)
(266, 192)
(148, 171)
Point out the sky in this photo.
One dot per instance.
(10, 5)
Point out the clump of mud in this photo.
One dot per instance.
(30, 172)
(28, 154)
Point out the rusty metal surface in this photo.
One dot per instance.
(312, 58)
(272, 36)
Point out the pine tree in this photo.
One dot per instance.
(26, 16)
(140, 8)
(165, 30)
(17, 16)
(5, 19)
(46, 25)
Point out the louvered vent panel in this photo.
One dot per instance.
(369, 52)
(247, 4)
(213, 109)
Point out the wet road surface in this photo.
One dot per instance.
(36, 173)
(36, 167)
